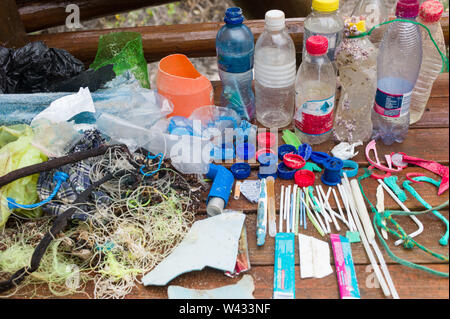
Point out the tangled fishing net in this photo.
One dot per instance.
(128, 232)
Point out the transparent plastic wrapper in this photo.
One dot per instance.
(16, 151)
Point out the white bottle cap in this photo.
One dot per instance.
(274, 20)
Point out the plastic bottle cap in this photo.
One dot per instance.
(275, 20)
(304, 178)
(245, 151)
(264, 151)
(285, 172)
(294, 161)
(305, 151)
(240, 170)
(285, 149)
(266, 139)
(317, 45)
(431, 11)
(325, 5)
(233, 15)
(319, 157)
(332, 173)
(407, 9)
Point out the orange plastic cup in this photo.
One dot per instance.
(179, 81)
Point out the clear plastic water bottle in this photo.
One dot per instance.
(374, 12)
(398, 65)
(235, 49)
(324, 20)
(315, 90)
(275, 73)
(429, 14)
(356, 60)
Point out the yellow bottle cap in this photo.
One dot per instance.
(325, 5)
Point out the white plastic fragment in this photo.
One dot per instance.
(345, 151)
(314, 257)
(211, 242)
(243, 289)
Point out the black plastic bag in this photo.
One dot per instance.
(34, 67)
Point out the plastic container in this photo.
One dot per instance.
(315, 91)
(429, 14)
(275, 70)
(178, 80)
(398, 66)
(375, 12)
(324, 20)
(235, 53)
(356, 60)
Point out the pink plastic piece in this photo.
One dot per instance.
(409, 177)
(377, 176)
(371, 146)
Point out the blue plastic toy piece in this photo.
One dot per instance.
(241, 170)
(285, 172)
(350, 172)
(305, 151)
(319, 157)
(332, 171)
(223, 181)
(284, 149)
(58, 177)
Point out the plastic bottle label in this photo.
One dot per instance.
(333, 40)
(392, 105)
(235, 64)
(315, 117)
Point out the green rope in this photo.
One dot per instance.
(443, 57)
(400, 233)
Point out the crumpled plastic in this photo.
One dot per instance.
(345, 151)
(16, 152)
(34, 67)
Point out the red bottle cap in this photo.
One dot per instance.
(407, 9)
(293, 161)
(317, 45)
(431, 11)
(304, 178)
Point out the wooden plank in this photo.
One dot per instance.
(38, 15)
(12, 31)
(410, 284)
(194, 40)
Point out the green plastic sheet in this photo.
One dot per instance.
(16, 151)
(125, 51)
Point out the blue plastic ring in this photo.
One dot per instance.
(305, 151)
(284, 149)
(241, 170)
(245, 151)
(285, 172)
(350, 172)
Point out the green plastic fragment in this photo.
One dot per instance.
(391, 181)
(313, 167)
(291, 139)
(125, 51)
(353, 236)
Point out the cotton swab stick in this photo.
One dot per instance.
(312, 219)
(285, 203)
(327, 204)
(376, 268)
(324, 214)
(319, 219)
(300, 204)
(347, 208)
(340, 209)
(291, 217)
(380, 209)
(280, 221)
(295, 211)
(304, 210)
(370, 233)
(322, 205)
(400, 203)
(288, 208)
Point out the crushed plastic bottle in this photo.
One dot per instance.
(398, 65)
(356, 60)
(275, 73)
(429, 14)
(315, 91)
(324, 20)
(375, 12)
(235, 53)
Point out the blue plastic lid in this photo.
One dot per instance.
(284, 149)
(241, 170)
(305, 151)
(332, 173)
(233, 15)
(267, 159)
(319, 157)
(245, 151)
(285, 172)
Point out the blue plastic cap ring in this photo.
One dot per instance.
(350, 172)
(284, 149)
(241, 170)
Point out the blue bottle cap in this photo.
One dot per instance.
(319, 157)
(305, 151)
(233, 15)
(267, 159)
(241, 170)
(285, 172)
(350, 172)
(332, 171)
(284, 149)
(245, 151)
